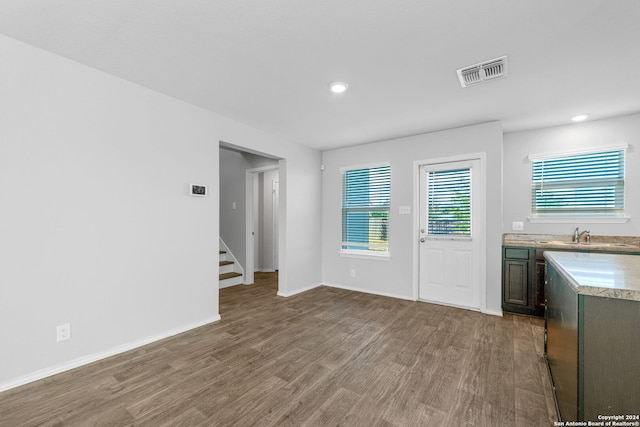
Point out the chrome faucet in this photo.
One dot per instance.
(577, 235)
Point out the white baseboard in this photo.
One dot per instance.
(391, 295)
(298, 291)
(488, 312)
(85, 360)
(368, 291)
(493, 313)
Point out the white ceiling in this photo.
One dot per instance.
(269, 63)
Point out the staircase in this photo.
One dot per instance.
(231, 272)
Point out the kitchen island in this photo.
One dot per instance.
(592, 334)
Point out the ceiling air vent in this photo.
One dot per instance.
(487, 70)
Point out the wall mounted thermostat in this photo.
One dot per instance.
(197, 190)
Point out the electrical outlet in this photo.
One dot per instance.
(517, 226)
(63, 332)
(353, 272)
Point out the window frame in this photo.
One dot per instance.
(365, 253)
(587, 216)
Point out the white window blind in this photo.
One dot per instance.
(366, 196)
(449, 202)
(582, 184)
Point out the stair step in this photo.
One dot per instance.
(231, 275)
(225, 263)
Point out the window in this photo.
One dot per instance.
(366, 195)
(449, 202)
(584, 184)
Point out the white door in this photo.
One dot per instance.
(451, 231)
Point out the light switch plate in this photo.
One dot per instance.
(404, 210)
(517, 226)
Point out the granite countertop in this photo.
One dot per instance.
(601, 275)
(620, 244)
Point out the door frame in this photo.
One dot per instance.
(482, 157)
(275, 202)
(249, 240)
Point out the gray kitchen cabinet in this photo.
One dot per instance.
(592, 346)
(523, 278)
(519, 293)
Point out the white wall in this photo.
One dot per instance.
(602, 133)
(395, 276)
(96, 226)
(233, 166)
(300, 224)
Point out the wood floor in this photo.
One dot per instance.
(324, 357)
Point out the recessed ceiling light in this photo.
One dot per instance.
(579, 118)
(338, 87)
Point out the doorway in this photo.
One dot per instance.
(451, 232)
(262, 231)
(236, 194)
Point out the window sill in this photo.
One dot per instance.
(382, 256)
(579, 219)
